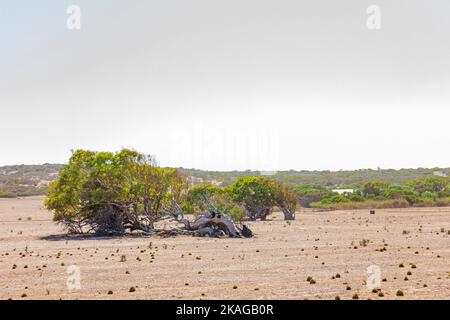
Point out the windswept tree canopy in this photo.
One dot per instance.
(439, 185)
(374, 188)
(285, 199)
(111, 192)
(208, 197)
(258, 195)
(255, 194)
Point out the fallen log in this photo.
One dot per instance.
(212, 223)
(215, 222)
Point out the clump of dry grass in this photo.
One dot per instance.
(364, 242)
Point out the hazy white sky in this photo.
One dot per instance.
(225, 85)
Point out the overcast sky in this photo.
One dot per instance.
(228, 84)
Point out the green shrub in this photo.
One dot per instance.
(442, 202)
(308, 193)
(374, 188)
(7, 194)
(432, 184)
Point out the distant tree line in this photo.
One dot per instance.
(429, 191)
(324, 178)
(24, 180)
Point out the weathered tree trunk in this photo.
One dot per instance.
(265, 213)
(288, 214)
(214, 221)
(258, 213)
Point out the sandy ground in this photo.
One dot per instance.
(273, 265)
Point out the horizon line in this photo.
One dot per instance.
(257, 170)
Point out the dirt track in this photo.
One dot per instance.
(273, 265)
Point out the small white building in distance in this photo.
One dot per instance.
(343, 191)
(194, 181)
(441, 173)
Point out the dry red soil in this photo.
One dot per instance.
(275, 264)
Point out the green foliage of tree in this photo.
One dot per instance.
(439, 185)
(337, 198)
(258, 195)
(204, 198)
(355, 197)
(399, 191)
(374, 188)
(430, 195)
(109, 192)
(255, 194)
(286, 199)
(308, 193)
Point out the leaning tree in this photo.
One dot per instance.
(204, 198)
(111, 193)
(255, 194)
(258, 195)
(285, 199)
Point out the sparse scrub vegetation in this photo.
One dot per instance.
(429, 191)
(372, 188)
(119, 181)
(364, 242)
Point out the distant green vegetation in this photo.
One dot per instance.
(313, 189)
(7, 194)
(429, 191)
(329, 179)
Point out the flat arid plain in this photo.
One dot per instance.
(411, 248)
